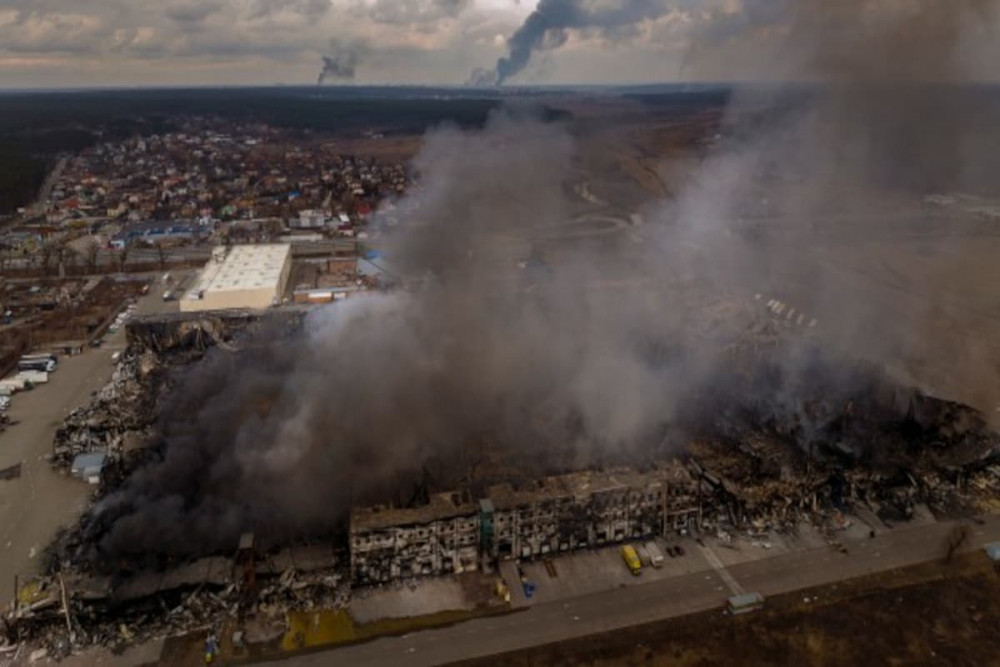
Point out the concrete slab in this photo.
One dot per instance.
(588, 572)
(34, 506)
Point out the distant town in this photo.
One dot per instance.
(165, 196)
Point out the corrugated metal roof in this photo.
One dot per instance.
(90, 461)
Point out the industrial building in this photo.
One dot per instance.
(454, 533)
(245, 276)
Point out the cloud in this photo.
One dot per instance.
(417, 11)
(311, 9)
(191, 12)
(415, 41)
(110, 41)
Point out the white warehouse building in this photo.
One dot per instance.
(247, 276)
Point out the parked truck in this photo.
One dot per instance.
(631, 559)
(45, 363)
(654, 553)
(15, 384)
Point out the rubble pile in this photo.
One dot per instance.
(120, 418)
(178, 612)
(122, 411)
(71, 612)
(861, 451)
(768, 448)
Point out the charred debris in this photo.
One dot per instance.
(764, 450)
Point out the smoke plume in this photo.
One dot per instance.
(342, 60)
(548, 26)
(601, 350)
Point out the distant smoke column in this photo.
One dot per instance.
(341, 63)
(545, 28)
(529, 38)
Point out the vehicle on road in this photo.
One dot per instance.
(654, 553)
(42, 367)
(37, 362)
(631, 559)
(744, 604)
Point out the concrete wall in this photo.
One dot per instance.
(228, 299)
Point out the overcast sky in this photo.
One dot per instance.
(55, 43)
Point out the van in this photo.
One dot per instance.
(654, 553)
(631, 559)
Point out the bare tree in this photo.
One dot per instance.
(45, 257)
(957, 538)
(72, 260)
(61, 253)
(122, 258)
(92, 251)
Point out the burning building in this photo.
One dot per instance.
(545, 516)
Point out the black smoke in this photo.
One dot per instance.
(548, 27)
(342, 60)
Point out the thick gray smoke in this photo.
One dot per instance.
(342, 60)
(283, 437)
(826, 177)
(483, 368)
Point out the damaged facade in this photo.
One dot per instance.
(545, 516)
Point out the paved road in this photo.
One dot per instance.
(38, 207)
(33, 507)
(633, 605)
